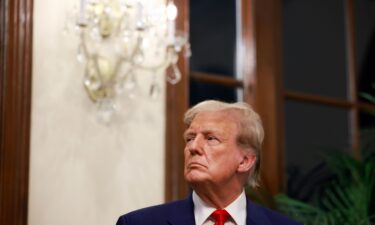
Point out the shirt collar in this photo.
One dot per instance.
(237, 209)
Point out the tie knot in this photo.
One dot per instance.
(220, 216)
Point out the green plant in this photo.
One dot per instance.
(345, 201)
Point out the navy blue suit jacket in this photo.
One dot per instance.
(182, 213)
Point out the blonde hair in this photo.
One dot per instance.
(250, 134)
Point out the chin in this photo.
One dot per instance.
(193, 177)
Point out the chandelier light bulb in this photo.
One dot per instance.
(171, 11)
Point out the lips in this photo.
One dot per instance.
(195, 164)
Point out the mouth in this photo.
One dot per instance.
(193, 165)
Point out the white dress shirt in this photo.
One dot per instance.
(236, 209)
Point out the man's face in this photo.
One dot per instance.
(211, 151)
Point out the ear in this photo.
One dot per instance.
(247, 162)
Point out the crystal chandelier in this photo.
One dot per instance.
(118, 39)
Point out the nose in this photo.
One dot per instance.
(195, 146)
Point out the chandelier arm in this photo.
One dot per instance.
(162, 65)
(83, 42)
(118, 30)
(96, 66)
(136, 48)
(116, 69)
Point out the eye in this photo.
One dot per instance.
(188, 139)
(212, 140)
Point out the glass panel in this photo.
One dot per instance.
(314, 47)
(367, 125)
(213, 42)
(200, 91)
(367, 120)
(365, 36)
(213, 36)
(310, 130)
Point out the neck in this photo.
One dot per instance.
(217, 196)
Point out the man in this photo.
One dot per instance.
(222, 155)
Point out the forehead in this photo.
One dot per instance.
(218, 121)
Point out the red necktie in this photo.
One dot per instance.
(220, 216)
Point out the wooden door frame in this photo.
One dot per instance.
(268, 88)
(15, 104)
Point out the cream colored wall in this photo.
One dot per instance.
(83, 172)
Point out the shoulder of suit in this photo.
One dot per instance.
(274, 217)
(141, 216)
(159, 208)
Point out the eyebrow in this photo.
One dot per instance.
(205, 132)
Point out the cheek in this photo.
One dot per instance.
(186, 151)
(227, 160)
(187, 154)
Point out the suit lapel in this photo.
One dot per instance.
(183, 214)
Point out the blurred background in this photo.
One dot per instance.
(306, 66)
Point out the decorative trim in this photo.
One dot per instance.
(15, 104)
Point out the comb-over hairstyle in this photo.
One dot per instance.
(250, 135)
